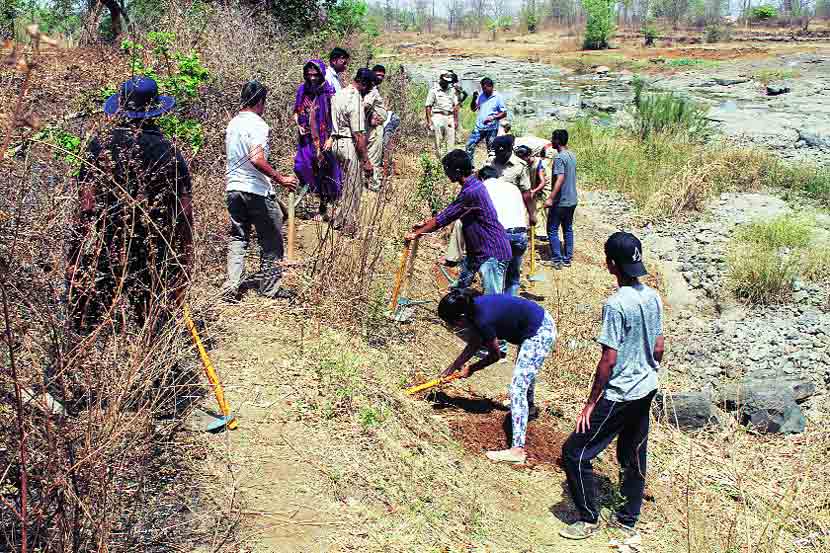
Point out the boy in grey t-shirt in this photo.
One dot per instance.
(624, 386)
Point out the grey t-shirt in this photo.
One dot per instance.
(632, 319)
(565, 164)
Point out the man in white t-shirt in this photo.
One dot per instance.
(250, 195)
(512, 214)
(338, 64)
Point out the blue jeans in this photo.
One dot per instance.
(488, 135)
(561, 217)
(513, 276)
(492, 275)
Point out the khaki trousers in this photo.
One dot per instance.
(376, 153)
(444, 130)
(348, 209)
(456, 249)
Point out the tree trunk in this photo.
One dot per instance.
(117, 15)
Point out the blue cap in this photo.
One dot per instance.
(139, 98)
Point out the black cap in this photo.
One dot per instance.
(626, 251)
(504, 142)
(366, 76)
(523, 151)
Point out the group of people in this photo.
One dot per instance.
(344, 132)
(494, 211)
(136, 197)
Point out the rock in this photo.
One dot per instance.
(729, 82)
(602, 70)
(687, 411)
(815, 138)
(599, 105)
(777, 88)
(733, 396)
(771, 412)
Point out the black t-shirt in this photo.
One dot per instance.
(138, 179)
(138, 163)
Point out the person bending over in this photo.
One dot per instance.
(486, 319)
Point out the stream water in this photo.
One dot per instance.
(795, 124)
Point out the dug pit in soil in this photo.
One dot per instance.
(481, 424)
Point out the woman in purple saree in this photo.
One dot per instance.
(315, 164)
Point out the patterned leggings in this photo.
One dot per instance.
(532, 355)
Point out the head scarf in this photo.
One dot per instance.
(306, 89)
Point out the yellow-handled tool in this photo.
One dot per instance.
(227, 420)
(534, 276)
(432, 383)
(396, 291)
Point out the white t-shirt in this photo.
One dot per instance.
(507, 199)
(246, 131)
(333, 79)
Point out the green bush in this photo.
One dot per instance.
(760, 275)
(766, 257)
(716, 33)
(650, 32)
(350, 16)
(432, 184)
(668, 113)
(182, 76)
(600, 24)
(763, 13)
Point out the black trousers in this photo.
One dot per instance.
(627, 420)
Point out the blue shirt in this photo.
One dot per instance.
(483, 234)
(488, 106)
(506, 317)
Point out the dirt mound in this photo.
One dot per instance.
(481, 424)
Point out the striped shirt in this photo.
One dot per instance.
(483, 234)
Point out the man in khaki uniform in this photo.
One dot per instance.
(350, 147)
(538, 153)
(442, 114)
(375, 118)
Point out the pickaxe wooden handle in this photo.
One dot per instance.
(432, 383)
(209, 370)
(396, 291)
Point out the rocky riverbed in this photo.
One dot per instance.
(789, 116)
(773, 361)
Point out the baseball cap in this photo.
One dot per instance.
(626, 251)
(522, 151)
(446, 77)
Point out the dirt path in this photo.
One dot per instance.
(288, 504)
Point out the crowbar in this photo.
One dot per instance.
(227, 420)
(433, 383)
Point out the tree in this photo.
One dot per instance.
(455, 15)
(600, 24)
(673, 10)
(530, 15)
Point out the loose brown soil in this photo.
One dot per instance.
(482, 424)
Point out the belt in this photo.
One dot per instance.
(340, 137)
(516, 230)
(441, 112)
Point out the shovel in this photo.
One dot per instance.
(432, 383)
(227, 420)
(534, 276)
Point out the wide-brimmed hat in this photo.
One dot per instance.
(138, 98)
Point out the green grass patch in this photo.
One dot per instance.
(666, 173)
(766, 257)
(766, 76)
